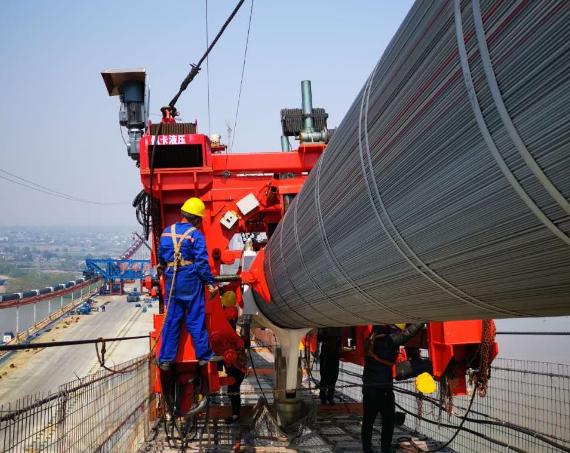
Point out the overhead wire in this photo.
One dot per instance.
(46, 190)
(187, 80)
(196, 67)
(208, 72)
(242, 75)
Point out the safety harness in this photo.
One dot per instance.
(369, 349)
(178, 261)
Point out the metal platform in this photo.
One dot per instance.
(330, 434)
(326, 428)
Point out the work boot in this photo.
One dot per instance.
(165, 366)
(214, 358)
(330, 399)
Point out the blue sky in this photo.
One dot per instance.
(61, 129)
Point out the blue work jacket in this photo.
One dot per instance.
(193, 248)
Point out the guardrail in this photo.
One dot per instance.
(37, 327)
(102, 412)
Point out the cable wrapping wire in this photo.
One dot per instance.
(444, 193)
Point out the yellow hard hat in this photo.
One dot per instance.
(400, 326)
(194, 206)
(425, 383)
(229, 299)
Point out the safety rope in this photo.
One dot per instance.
(134, 366)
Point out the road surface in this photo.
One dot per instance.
(46, 369)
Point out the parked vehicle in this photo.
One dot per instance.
(134, 296)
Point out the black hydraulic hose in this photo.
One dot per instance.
(54, 344)
(201, 405)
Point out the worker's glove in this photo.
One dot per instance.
(160, 269)
(212, 291)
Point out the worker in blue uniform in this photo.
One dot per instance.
(183, 258)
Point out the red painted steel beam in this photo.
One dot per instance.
(299, 161)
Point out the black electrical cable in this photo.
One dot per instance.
(55, 344)
(257, 379)
(208, 71)
(151, 174)
(494, 422)
(122, 136)
(242, 74)
(206, 424)
(141, 203)
(445, 425)
(459, 428)
(196, 68)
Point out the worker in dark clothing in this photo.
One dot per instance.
(235, 399)
(378, 393)
(329, 358)
(183, 246)
(229, 299)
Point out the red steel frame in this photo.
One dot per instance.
(220, 183)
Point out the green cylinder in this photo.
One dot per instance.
(307, 102)
(284, 143)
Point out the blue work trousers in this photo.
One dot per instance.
(187, 302)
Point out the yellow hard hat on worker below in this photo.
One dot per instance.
(229, 299)
(400, 326)
(425, 383)
(194, 206)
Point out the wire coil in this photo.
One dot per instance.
(444, 193)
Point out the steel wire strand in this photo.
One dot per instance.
(439, 183)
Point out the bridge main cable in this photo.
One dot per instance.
(439, 198)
